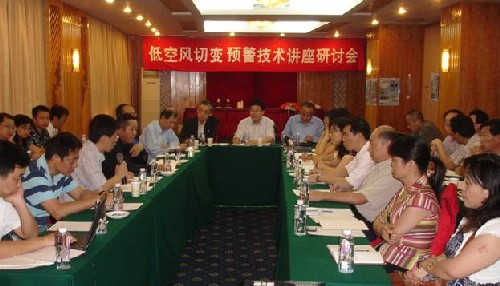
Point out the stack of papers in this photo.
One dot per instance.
(297, 191)
(131, 206)
(340, 222)
(363, 254)
(319, 231)
(77, 226)
(41, 257)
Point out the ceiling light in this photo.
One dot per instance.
(153, 30)
(110, 1)
(127, 9)
(259, 24)
(402, 10)
(148, 23)
(282, 34)
(336, 34)
(273, 27)
(275, 7)
(374, 22)
(139, 18)
(231, 34)
(157, 33)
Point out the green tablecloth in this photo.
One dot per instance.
(144, 248)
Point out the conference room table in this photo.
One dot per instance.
(145, 247)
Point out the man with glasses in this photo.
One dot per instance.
(49, 177)
(204, 123)
(7, 127)
(102, 138)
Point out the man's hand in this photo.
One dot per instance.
(437, 142)
(136, 150)
(308, 138)
(236, 140)
(17, 198)
(121, 169)
(315, 196)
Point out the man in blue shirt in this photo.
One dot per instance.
(159, 135)
(306, 126)
(49, 177)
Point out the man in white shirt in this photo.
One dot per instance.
(355, 138)
(102, 138)
(14, 214)
(58, 115)
(255, 126)
(378, 187)
(159, 135)
(490, 136)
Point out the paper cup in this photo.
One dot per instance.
(196, 144)
(259, 142)
(135, 187)
(210, 141)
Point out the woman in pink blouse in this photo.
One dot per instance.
(409, 223)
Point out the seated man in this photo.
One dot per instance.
(102, 138)
(159, 135)
(7, 126)
(125, 108)
(22, 137)
(39, 134)
(14, 214)
(424, 129)
(463, 132)
(450, 145)
(378, 188)
(204, 123)
(490, 136)
(306, 126)
(58, 115)
(355, 138)
(255, 126)
(478, 118)
(127, 130)
(49, 177)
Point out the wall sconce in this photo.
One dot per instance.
(445, 60)
(75, 60)
(369, 67)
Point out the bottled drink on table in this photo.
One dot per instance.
(63, 246)
(202, 138)
(300, 217)
(191, 141)
(346, 252)
(143, 179)
(304, 191)
(117, 197)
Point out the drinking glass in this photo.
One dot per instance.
(178, 154)
(154, 171)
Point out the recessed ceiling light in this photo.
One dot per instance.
(157, 33)
(127, 9)
(148, 23)
(153, 30)
(402, 10)
(282, 34)
(336, 34)
(110, 1)
(231, 34)
(140, 17)
(374, 22)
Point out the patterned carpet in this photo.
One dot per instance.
(239, 245)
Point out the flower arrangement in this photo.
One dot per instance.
(290, 106)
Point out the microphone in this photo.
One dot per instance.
(119, 158)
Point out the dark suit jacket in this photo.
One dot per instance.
(133, 163)
(190, 127)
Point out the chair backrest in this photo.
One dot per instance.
(447, 219)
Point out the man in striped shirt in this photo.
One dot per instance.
(49, 177)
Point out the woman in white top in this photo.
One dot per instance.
(472, 256)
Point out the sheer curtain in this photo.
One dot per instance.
(22, 55)
(110, 68)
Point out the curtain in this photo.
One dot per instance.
(110, 68)
(22, 56)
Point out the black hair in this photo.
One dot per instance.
(340, 122)
(494, 125)
(58, 111)
(453, 110)
(61, 145)
(4, 115)
(481, 116)
(308, 104)
(359, 125)
(11, 156)
(338, 112)
(22, 119)
(411, 148)
(119, 109)
(462, 125)
(102, 125)
(207, 103)
(483, 170)
(39, 108)
(415, 115)
(259, 103)
(123, 119)
(167, 113)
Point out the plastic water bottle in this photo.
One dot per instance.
(202, 138)
(117, 198)
(346, 252)
(191, 141)
(304, 191)
(143, 179)
(300, 217)
(63, 247)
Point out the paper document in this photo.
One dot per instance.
(131, 206)
(335, 222)
(312, 211)
(363, 254)
(319, 231)
(128, 188)
(40, 257)
(78, 226)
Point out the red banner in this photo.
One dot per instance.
(253, 54)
